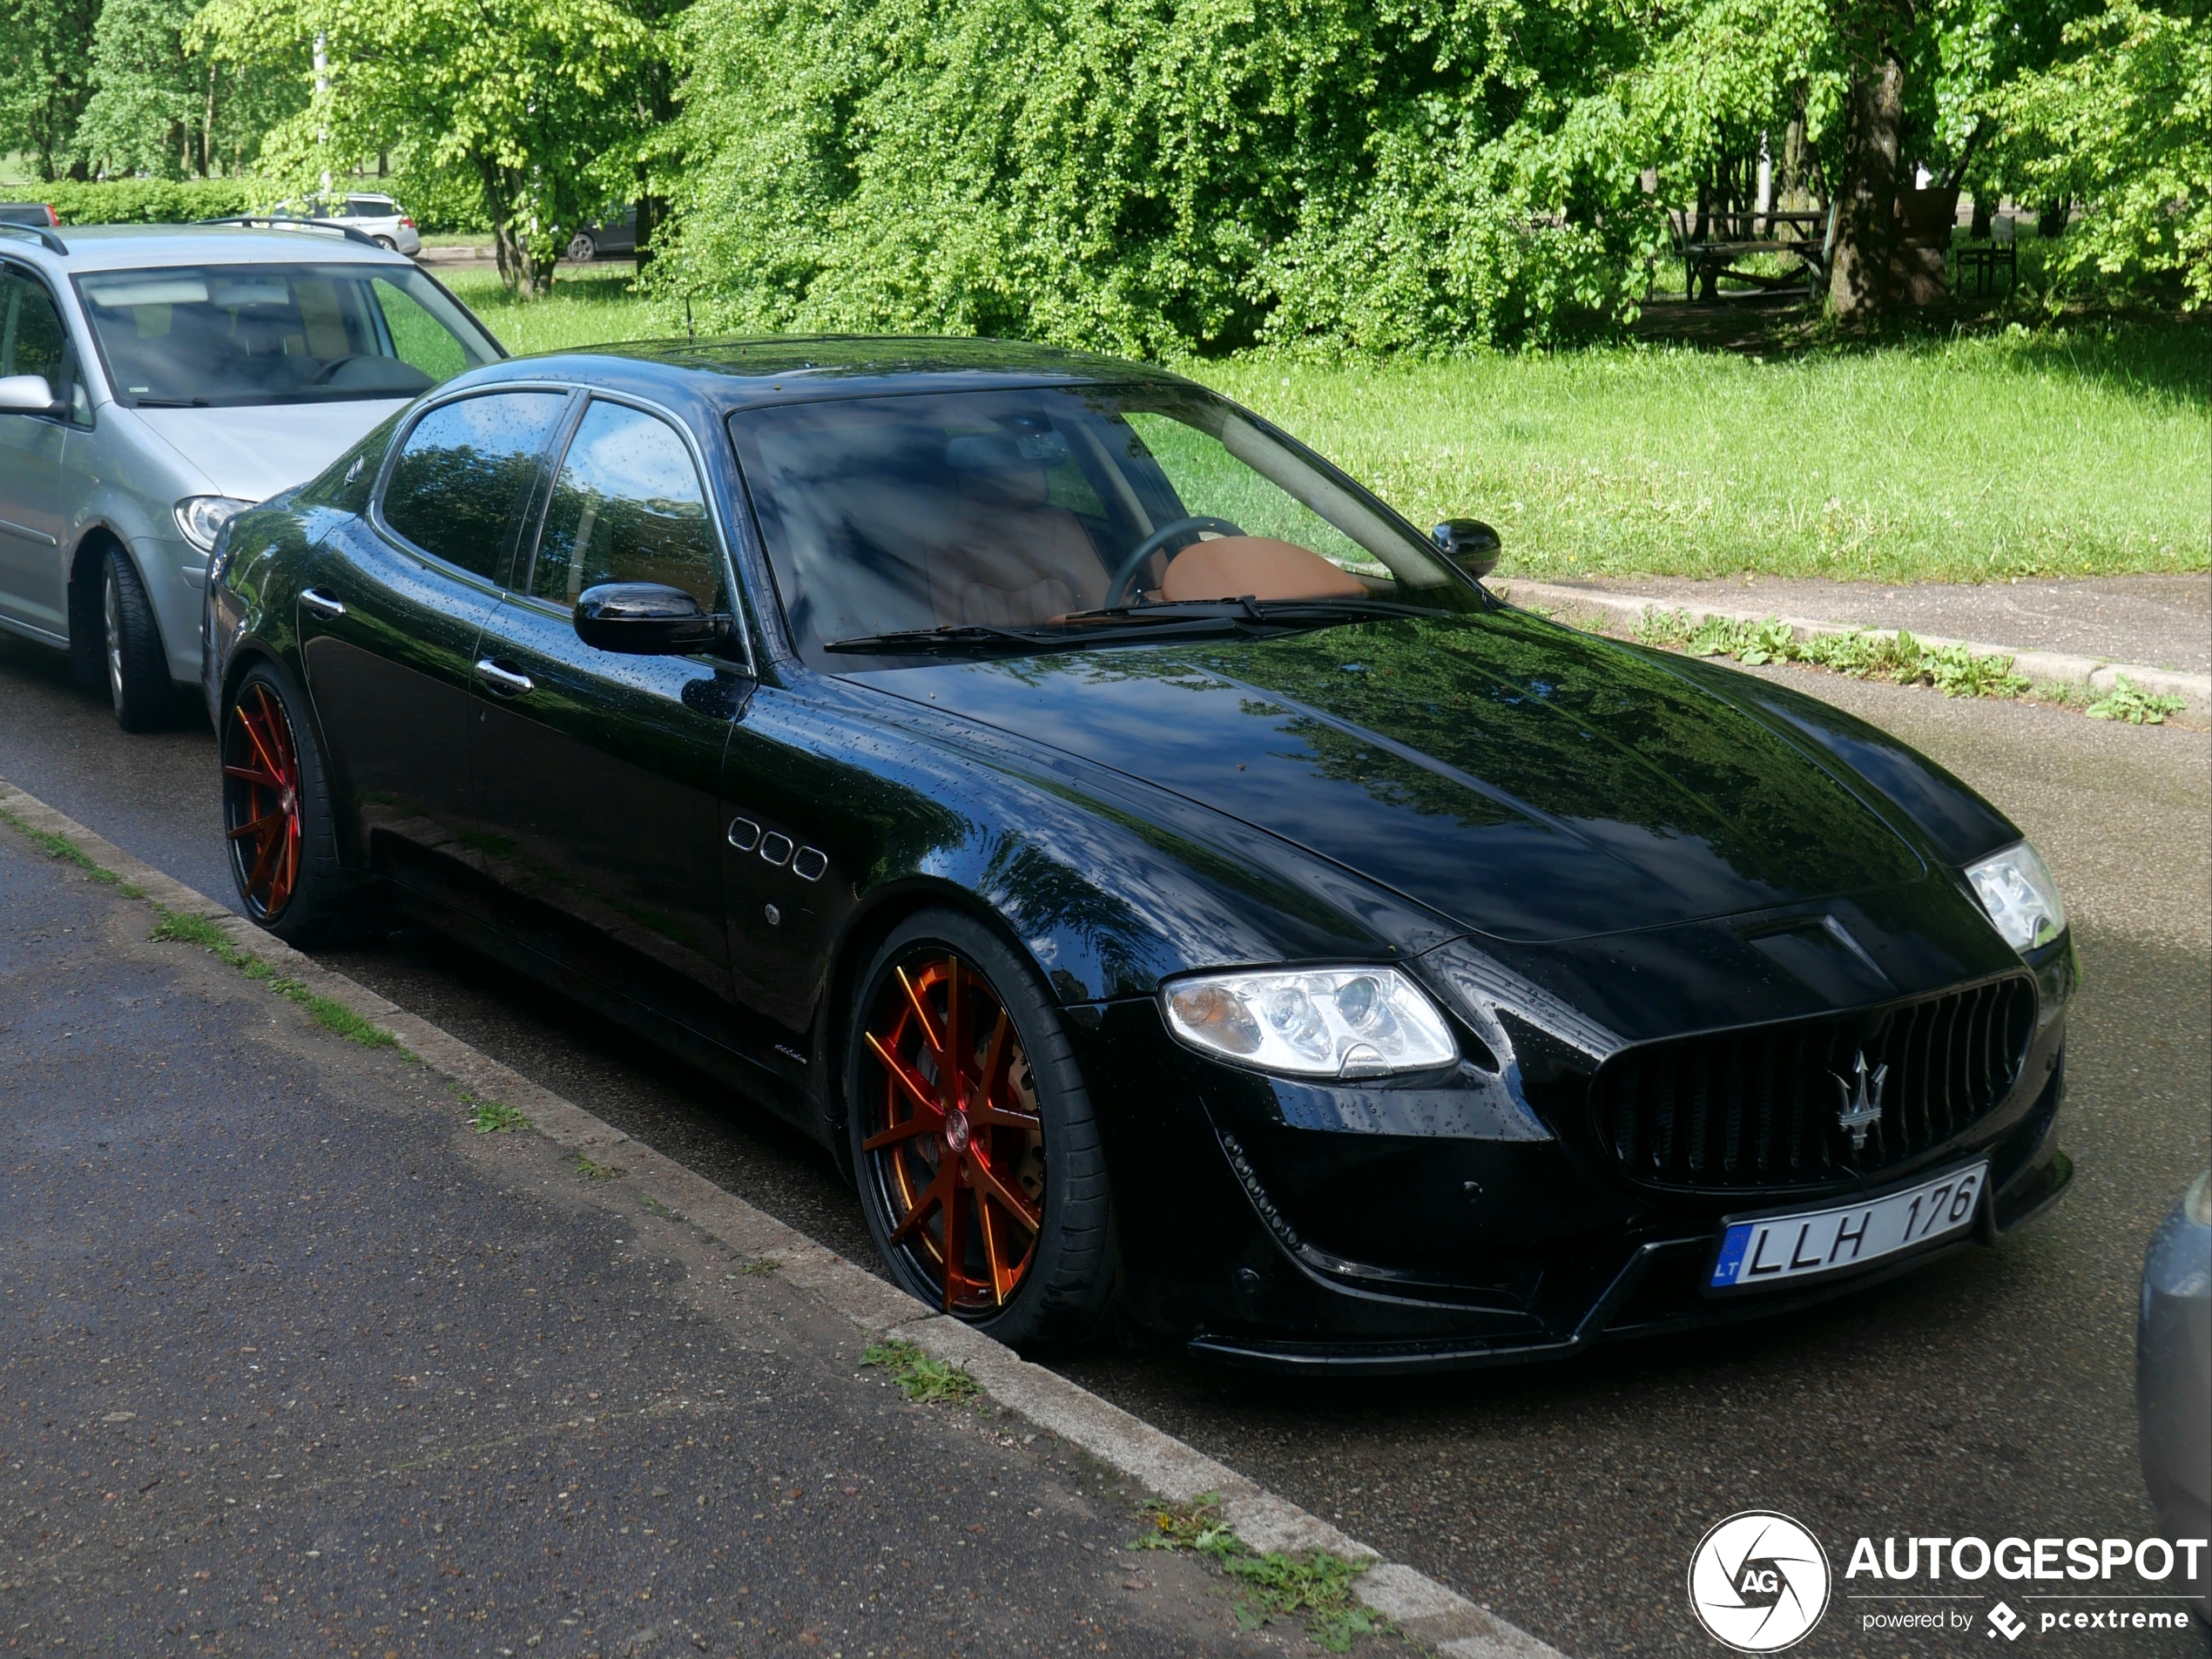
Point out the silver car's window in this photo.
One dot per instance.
(33, 340)
(219, 336)
(627, 507)
(460, 483)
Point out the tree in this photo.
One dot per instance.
(152, 106)
(2123, 122)
(45, 79)
(539, 101)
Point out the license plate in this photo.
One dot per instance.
(1776, 1249)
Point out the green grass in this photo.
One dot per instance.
(1317, 1586)
(919, 1376)
(2057, 452)
(1954, 669)
(177, 927)
(2125, 702)
(491, 1116)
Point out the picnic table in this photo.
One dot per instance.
(1732, 236)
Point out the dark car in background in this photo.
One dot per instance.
(613, 238)
(1167, 881)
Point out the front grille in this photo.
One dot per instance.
(1759, 1108)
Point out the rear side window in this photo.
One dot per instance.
(463, 479)
(627, 507)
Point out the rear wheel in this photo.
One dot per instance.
(276, 811)
(388, 245)
(581, 249)
(979, 1159)
(138, 669)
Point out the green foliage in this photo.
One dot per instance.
(147, 99)
(2123, 121)
(543, 102)
(45, 77)
(494, 1117)
(919, 1376)
(1156, 179)
(154, 201)
(1318, 1585)
(2125, 702)
(1954, 669)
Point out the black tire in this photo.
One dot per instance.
(138, 669)
(1067, 1281)
(303, 896)
(387, 243)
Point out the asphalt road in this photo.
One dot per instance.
(1989, 1396)
(300, 1364)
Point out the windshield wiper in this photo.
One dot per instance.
(171, 403)
(1284, 612)
(1049, 637)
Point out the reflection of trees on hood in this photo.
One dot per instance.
(1574, 727)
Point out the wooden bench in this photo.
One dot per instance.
(1705, 263)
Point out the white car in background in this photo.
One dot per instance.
(377, 217)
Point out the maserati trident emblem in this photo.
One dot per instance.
(1862, 1110)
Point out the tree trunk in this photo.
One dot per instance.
(2050, 222)
(1981, 229)
(1859, 284)
(1792, 193)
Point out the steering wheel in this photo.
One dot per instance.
(1117, 590)
(329, 372)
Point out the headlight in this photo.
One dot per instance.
(2016, 888)
(202, 517)
(1315, 1022)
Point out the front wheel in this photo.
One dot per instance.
(978, 1156)
(581, 249)
(276, 811)
(138, 669)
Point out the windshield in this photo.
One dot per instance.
(1018, 512)
(219, 336)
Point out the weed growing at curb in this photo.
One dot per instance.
(594, 1171)
(180, 928)
(1318, 1585)
(919, 1376)
(2125, 702)
(491, 1117)
(60, 847)
(1953, 670)
(760, 1267)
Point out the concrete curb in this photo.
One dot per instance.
(1427, 1611)
(2092, 674)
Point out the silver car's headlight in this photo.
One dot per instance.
(202, 517)
(1311, 1022)
(2016, 888)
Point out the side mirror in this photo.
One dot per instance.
(28, 395)
(1469, 543)
(646, 619)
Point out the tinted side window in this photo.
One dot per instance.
(465, 476)
(346, 482)
(33, 339)
(627, 507)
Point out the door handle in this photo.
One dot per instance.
(505, 681)
(321, 604)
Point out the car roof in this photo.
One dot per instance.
(730, 374)
(128, 247)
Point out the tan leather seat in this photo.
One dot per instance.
(1007, 558)
(1233, 567)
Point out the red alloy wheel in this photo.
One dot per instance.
(953, 1138)
(261, 800)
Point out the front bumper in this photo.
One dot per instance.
(1382, 1231)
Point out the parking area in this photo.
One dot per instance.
(1990, 1395)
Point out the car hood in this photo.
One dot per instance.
(253, 453)
(1526, 781)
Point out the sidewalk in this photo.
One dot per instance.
(2159, 621)
(2072, 641)
(299, 1363)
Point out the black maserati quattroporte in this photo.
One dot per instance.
(1168, 881)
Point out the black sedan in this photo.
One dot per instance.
(1167, 882)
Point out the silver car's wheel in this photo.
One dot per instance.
(137, 668)
(388, 245)
(582, 249)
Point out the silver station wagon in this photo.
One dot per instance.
(155, 379)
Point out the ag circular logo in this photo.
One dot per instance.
(1758, 1581)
